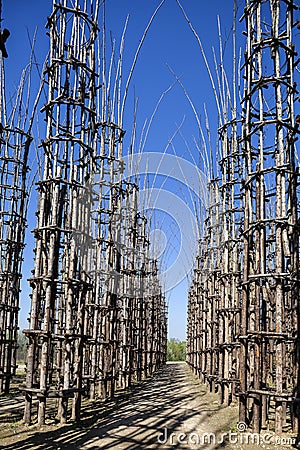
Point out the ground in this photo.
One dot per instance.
(173, 410)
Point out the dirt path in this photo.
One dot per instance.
(172, 410)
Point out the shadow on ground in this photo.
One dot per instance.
(141, 418)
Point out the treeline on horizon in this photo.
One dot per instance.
(176, 350)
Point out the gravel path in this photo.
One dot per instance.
(170, 411)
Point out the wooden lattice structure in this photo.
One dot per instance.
(245, 291)
(269, 328)
(98, 314)
(14, 148)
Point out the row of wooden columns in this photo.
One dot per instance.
(243, 324)
(98, 314)
(15, 140)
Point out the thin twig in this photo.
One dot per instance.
(135, 60)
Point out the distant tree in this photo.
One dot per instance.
(22, 347)
(176, 350)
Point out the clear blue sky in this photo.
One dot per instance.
(169, 41)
